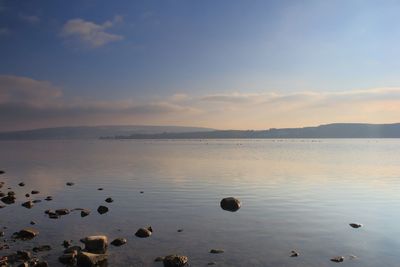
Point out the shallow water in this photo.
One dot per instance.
(296, 194)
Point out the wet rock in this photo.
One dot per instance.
(28, 204)
(41, 248)
(158, 259)
(70, 183)
(95, 244)
(49, 198)
(144, 232)
(230, 204)
(85, 213)
(86, 259)
(27, 195)
(77, 249)
(2, 172)
(175, 261)
(21, 184)
(32, 223)
(68, 258)
(294, 253)
(2, 194)
(24, 255)
(102, 209)
(217, 251)
(34, 192)
(141, 192)
(62, 212)
(119, 242)
(338, 259)
(109, 200)
(41, 264)
(9, 199)
(100, 189)
(355, 225)
(27, 233)
(66, 243)
(180, 230)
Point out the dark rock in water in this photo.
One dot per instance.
(70, 183)
(27, 195)
(72, 249)
(48, 198)
(294, 253)
(24, 255)
(144, 232)
(21, 184)
(41, 264)
(141, 192)
(85, 213)
(180, 230)
(32, 222)
(119, 242)
(2, 206)
(62, 212)
(11, 193)
(175, 261)
(41, 248)
(230, 204)
(102, 209)
(158, 259)
(217, 251)
(52, 214)
(36, 201)
(2, 194)
(109, 200)
(338, 259)
(68, 258)
(355, 225)
(66, 243)
(34, 192)
(28, 204)
(95, 244)
(27, 233)
(9, 199)
(86, 259)
(100, 189)
(2, 172)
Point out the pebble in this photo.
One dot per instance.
(144, 232)
(230, 204)
(102, 209)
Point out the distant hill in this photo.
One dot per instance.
(94, 132)
(335, 130)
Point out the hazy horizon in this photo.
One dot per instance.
(224, 65)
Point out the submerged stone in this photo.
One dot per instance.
(175, 261)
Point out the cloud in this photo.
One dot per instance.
(29, 18)
(29, 103)
(90, 33)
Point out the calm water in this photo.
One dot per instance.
(296, 194)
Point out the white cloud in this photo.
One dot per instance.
(90, 33)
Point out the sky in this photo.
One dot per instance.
(225, 64)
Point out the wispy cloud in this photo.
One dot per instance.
(26, 103)
(32, 19)
(90, 33)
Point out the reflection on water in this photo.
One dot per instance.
(296, 195)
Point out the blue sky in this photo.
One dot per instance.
(174, 56)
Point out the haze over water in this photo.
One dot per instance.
(296, 195)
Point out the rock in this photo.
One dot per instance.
(144, 232)
(355, 225)
(27, 195)
(109, 200)
(217, 251)
(180, 230)
(34, 192)
(27, 233)
(87, 259)
(66, 244)
(24, 255)
(42, 248)
(21, 184)
(68, 258)
(175, 261)
(70, 183)
(32, 222)
(102, 209)
(62, 212)
(9, 199)
(230, 204)
(41, 264)
(294, 253)
(119, 242)
(28, 204)
(2, 172)
(48, 198)
(77, 249)
(158, 259)
(36, 201)
(338, 259)
(100, 189)
(85, 213)
(53, 215)
(95, 244)
(141, 192)
(24, 264)
(2, 206)
(2, 194)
